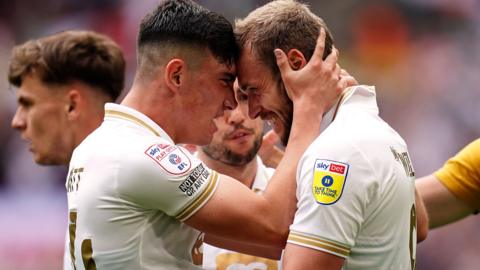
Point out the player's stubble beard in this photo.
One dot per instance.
(288, 123)
(287, 113)
(222, 153)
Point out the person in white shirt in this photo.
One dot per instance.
(63, 82)
(139, 201)
(233, 152)
(355, 182)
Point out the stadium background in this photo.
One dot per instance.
(421, 54)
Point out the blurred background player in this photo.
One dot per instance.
(453, 192)
(233, 151)
(63, 81)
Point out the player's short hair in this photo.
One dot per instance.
(84, 56)
(283, 24)
(185, 25)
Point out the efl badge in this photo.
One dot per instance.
(328, 180)
(171, 158)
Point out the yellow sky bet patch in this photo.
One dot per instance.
(328, 180)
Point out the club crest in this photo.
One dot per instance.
(171, 158)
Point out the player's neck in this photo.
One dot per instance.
(152, 105)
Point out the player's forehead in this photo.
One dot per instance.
(33, 89)
(212, 64)
(31, 84)
(228, 71)
(252, 73)
(27, 92)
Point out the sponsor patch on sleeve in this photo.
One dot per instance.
(195, 180)
(171, 158)
(328, 180)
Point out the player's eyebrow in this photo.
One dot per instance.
(242, 89)
(247, 88)
(229, 76)
(24, 101)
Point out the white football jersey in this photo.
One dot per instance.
(215, 258)
(355, 189)
(129, 189)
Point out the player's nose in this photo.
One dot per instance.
(254, 107)
(18, 120)
(236, 116)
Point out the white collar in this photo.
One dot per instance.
(117, 111)
(351, 95)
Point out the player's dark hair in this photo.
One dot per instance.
(186, 23)
(86, 56)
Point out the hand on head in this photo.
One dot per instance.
(319, 82)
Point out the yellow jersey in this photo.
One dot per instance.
(461, 174)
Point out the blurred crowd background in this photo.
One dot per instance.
(422, 55)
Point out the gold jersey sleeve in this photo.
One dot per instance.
(461, 174)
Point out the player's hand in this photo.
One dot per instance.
(318, 84)
(351, 81)
(269, 152)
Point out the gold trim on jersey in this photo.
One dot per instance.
(346, 92)
(131, 118)
(314, 241)
(187, 212)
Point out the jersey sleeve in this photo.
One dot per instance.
(168, 178)
(335, 185)
(461, 174)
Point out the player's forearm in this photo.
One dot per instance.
(441, 205)
(281, 191)
(273, 253)
(265, 220)
(235, 212)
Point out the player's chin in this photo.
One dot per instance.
(43, 160)
(240, 150)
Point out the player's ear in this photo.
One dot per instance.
(175, 73)
(296, 59)
(72, 103)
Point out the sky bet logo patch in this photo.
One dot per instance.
(328, 180)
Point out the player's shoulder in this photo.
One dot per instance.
(471, 152)
(169, 158)
(339, 153)
(357, 139)
(157, 162)
(331, 144)
(475, 144)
